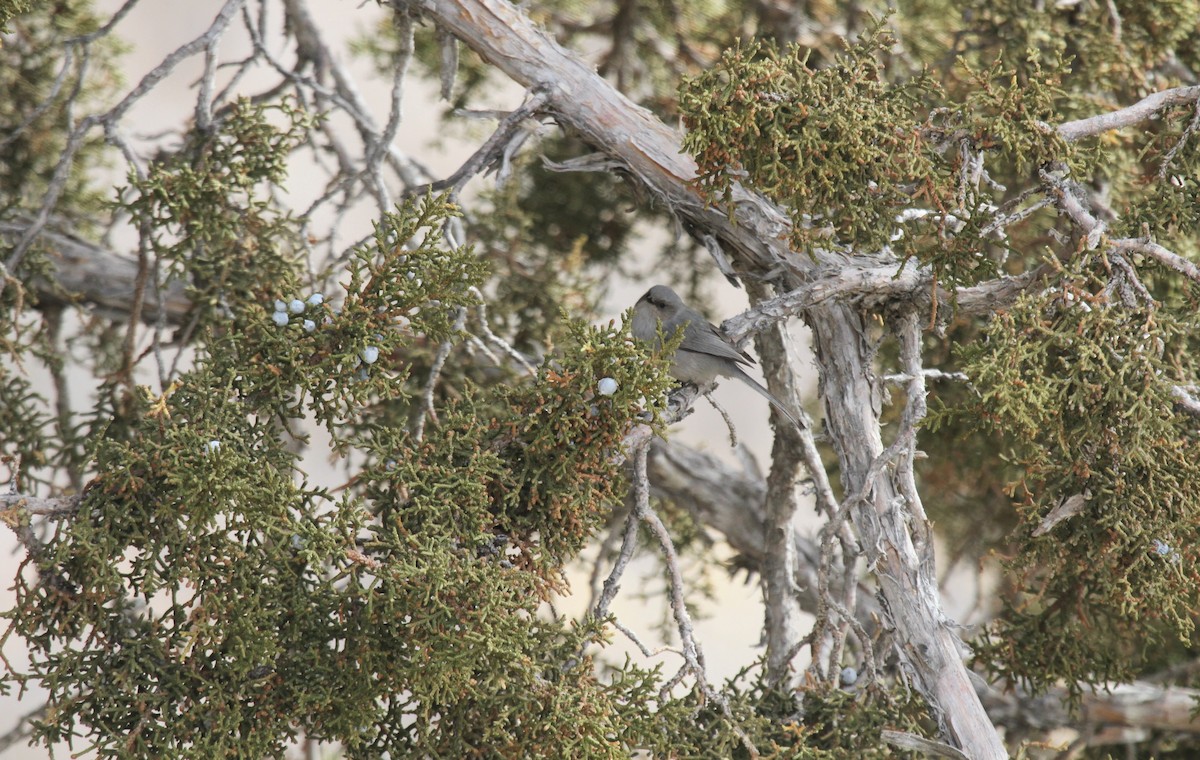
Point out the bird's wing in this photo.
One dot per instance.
(703, 338)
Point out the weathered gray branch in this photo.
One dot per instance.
(783, 612)
(1164, 256)
(97, 276)
(1105, 716)
(904, 571)
(875, 286)
(645, 147)
(1140, 111)
(692, 653)
(733, 503)
(36, 505)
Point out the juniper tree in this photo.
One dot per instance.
(986, 216)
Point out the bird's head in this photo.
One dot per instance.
(656, 307)
(661, 299)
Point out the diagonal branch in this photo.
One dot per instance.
(512, 131)
(692, 654)
(583, 101)
(1164, 256)
(1140, 111)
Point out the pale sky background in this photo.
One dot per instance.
(730, 631)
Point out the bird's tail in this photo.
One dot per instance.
(767, 395)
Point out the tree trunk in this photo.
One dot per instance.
(884, 516)
(650, 151)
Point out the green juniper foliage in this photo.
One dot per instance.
(1079, 395)
(209, 599)
(848, 149)
(830, 724)
(11, 8)
(1121, 49)
(240, 606)
(31, 58)
(1081, 385)
(212, 225)
(205, 602)
(31, 61)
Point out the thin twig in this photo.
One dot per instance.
(435, 372)
(1164, 256)
(725, 416)
(692, 654)
(511, 129)
(612, 584)
(474, 343)
(647, 652)
(1188, 131)
(505, 346)
(608, 548)
(24, 728)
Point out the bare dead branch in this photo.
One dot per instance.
(435, 372)
(733, 503)
(646, 651)
(612, 584)
(1188, 132)
(878, 286)
(1164, 256)
(97, 276)
(692, 653)
(1070, 199)
(930, 374)
(781, 587)
(1140, 111)
(989, 296)
(848, 281)
(582, 100)
(481, 314)
(1066, 508)
(510, 134)
(41, 506)
(898, 553)
(733, 441)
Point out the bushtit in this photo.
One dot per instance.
(704, 353)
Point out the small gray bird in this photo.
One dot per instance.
(705, 353)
